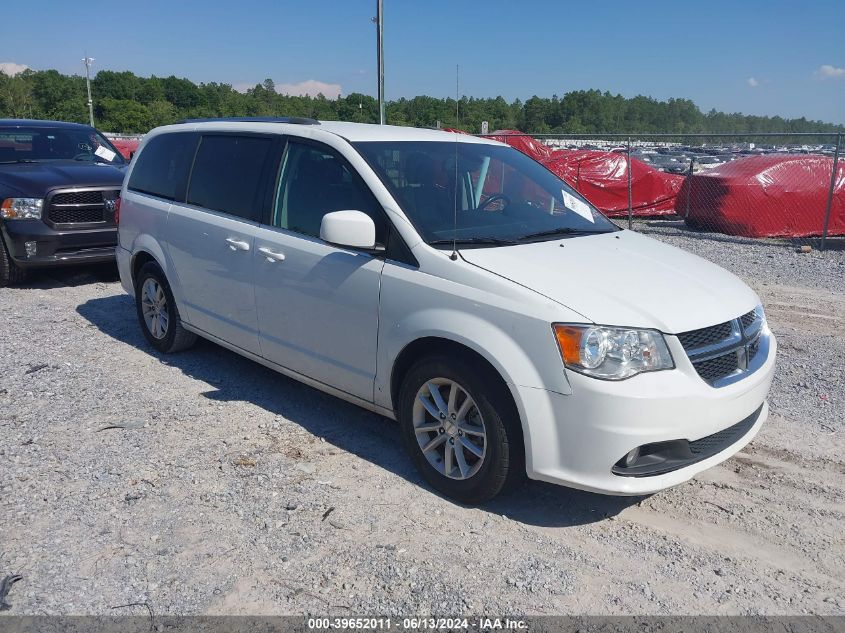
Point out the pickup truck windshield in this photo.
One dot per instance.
(499, 195)
(41, 144)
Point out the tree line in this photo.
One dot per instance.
(126, 103)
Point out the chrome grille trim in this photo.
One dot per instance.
(706, 352)
(732, 357)
(81, 207)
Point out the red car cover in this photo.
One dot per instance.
(602, 177)
(778, 195)
(125, 146)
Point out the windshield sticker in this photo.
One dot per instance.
(105, 153)
(578, 206)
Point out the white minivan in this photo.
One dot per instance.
(454, 284)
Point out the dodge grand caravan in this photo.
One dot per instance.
(454, 284)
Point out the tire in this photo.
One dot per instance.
(163, 330)
(502, 461)
(10, 273)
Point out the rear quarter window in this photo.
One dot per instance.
(162, 167)
(230, 173)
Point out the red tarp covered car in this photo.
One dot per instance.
(125, 146)
(778, 195)
(602, 177)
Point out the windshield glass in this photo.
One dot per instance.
(502, 195)
(28, 144)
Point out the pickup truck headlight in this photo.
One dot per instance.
(21, 208)
(611, 353)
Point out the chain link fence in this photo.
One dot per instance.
(788, 187)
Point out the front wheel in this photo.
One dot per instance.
(459, 429)
(157, 312)
(10, 273)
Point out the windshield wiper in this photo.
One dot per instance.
(19, 160)
(564, 230)
(474, 240)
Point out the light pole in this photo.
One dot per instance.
(380, 53)
(87, 61)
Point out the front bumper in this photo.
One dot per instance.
(57, 247)
(577, 439)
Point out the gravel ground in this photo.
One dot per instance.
(204, 483)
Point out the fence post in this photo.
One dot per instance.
(832, 187)
(630, 196)
(689, 187)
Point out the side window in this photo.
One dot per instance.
(315, 181)
(161, 169)
(229, 173)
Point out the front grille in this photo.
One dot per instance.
(77, 215)
(713, 369)
(753, 349)
(81, 207)
(660, 458)
(748, 319)
(78, 197)
(705, 336)
(723, 350)
(716, 443)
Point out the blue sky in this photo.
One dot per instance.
(750, 56)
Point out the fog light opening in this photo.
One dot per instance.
(632, 457)
(30, 248)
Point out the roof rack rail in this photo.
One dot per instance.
(295, 120)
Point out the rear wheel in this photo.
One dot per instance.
(157, 312)
(10, 272)
(459, 429)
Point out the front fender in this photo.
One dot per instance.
(487, 338)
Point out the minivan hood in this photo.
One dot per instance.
(623, 278)
(36, 179)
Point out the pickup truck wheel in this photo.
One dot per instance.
(157, 312)
(458, 430)
(10, 273)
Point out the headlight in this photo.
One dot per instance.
(21, 208)
(611, 353)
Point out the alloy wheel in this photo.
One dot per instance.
(154, 308)
(449, 428)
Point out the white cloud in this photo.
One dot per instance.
(753, 82)
(827, 71)
(311, 87)
(12, 69)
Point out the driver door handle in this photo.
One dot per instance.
(272, 256)
(237, 245)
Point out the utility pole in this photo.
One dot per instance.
(87, 61)
(380, 53)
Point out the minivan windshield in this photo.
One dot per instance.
(480, 194)
(40, 144)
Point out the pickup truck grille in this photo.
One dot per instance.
(724, 350)
(91, 206)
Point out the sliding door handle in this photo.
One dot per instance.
(272, 256)
(237, 245)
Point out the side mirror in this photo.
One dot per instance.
(354, 229)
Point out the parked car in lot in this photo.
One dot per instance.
(59, 187)
(708, 162)
(452, 283)
(669, 164)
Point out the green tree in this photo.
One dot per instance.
(122, 115)
(16, 99)
(125, 102)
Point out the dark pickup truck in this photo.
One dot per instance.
(59, 193)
